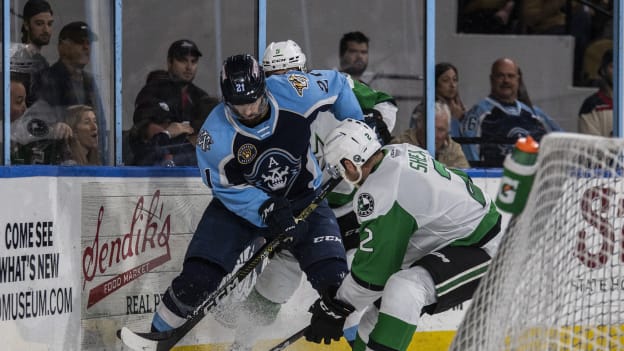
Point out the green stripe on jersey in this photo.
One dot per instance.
(340, 199)
(383, 242)
(392, 332)
(486, 224)
(462, 279)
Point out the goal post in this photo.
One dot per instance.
(557, 281)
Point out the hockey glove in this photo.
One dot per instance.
(328, 319)
(349, 230)
(374, 120)
(278, 216)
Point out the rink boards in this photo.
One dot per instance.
(87, 251)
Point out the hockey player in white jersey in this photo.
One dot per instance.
(427, 236)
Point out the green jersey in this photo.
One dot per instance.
(369, 97)
(409, 206)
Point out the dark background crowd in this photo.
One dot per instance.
(62, 91)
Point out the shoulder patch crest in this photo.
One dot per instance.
(246, 154)
(204, 140)
(299, 82)
(365, 205)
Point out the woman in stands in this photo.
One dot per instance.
(83, 144)
(447, 90)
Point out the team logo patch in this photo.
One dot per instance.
(275, 171)
(37, 128)
(299, 82)
(365, 205)
(246, 154)
(204, 140)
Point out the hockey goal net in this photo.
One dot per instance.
(557, 282)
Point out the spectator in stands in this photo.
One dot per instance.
(158, 139)
(377, 106)
(353, 53)
(487, 16)
(18, 102)
(68, 83)
(501, 118)
(596, 114)
(186, 103)
(38, 19)
(447, 151)
(18, 97)
(83, 144)
(72, 142)
(38, 138)
(447, 81)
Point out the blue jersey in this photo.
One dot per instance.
(244, 166)
(490, 119)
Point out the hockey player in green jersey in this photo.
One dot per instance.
(427, 235)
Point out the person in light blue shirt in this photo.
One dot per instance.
(254, 153)
(501, 117)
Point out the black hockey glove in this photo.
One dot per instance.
(374, 120)
(349, 230)
(328, 319)
(278, 216)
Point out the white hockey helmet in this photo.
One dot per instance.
(352, 140)
(283, 55)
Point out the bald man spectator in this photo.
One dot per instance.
(500, 119)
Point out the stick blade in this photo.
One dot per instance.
(135, 341)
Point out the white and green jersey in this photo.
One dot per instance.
(408, 207)
(368, 98)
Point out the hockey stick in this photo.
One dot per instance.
(289, 341)
(163, 341)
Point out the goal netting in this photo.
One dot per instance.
(557, 281)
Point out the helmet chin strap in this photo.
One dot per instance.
(356, 181)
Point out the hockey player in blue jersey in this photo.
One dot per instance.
(253, 153)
